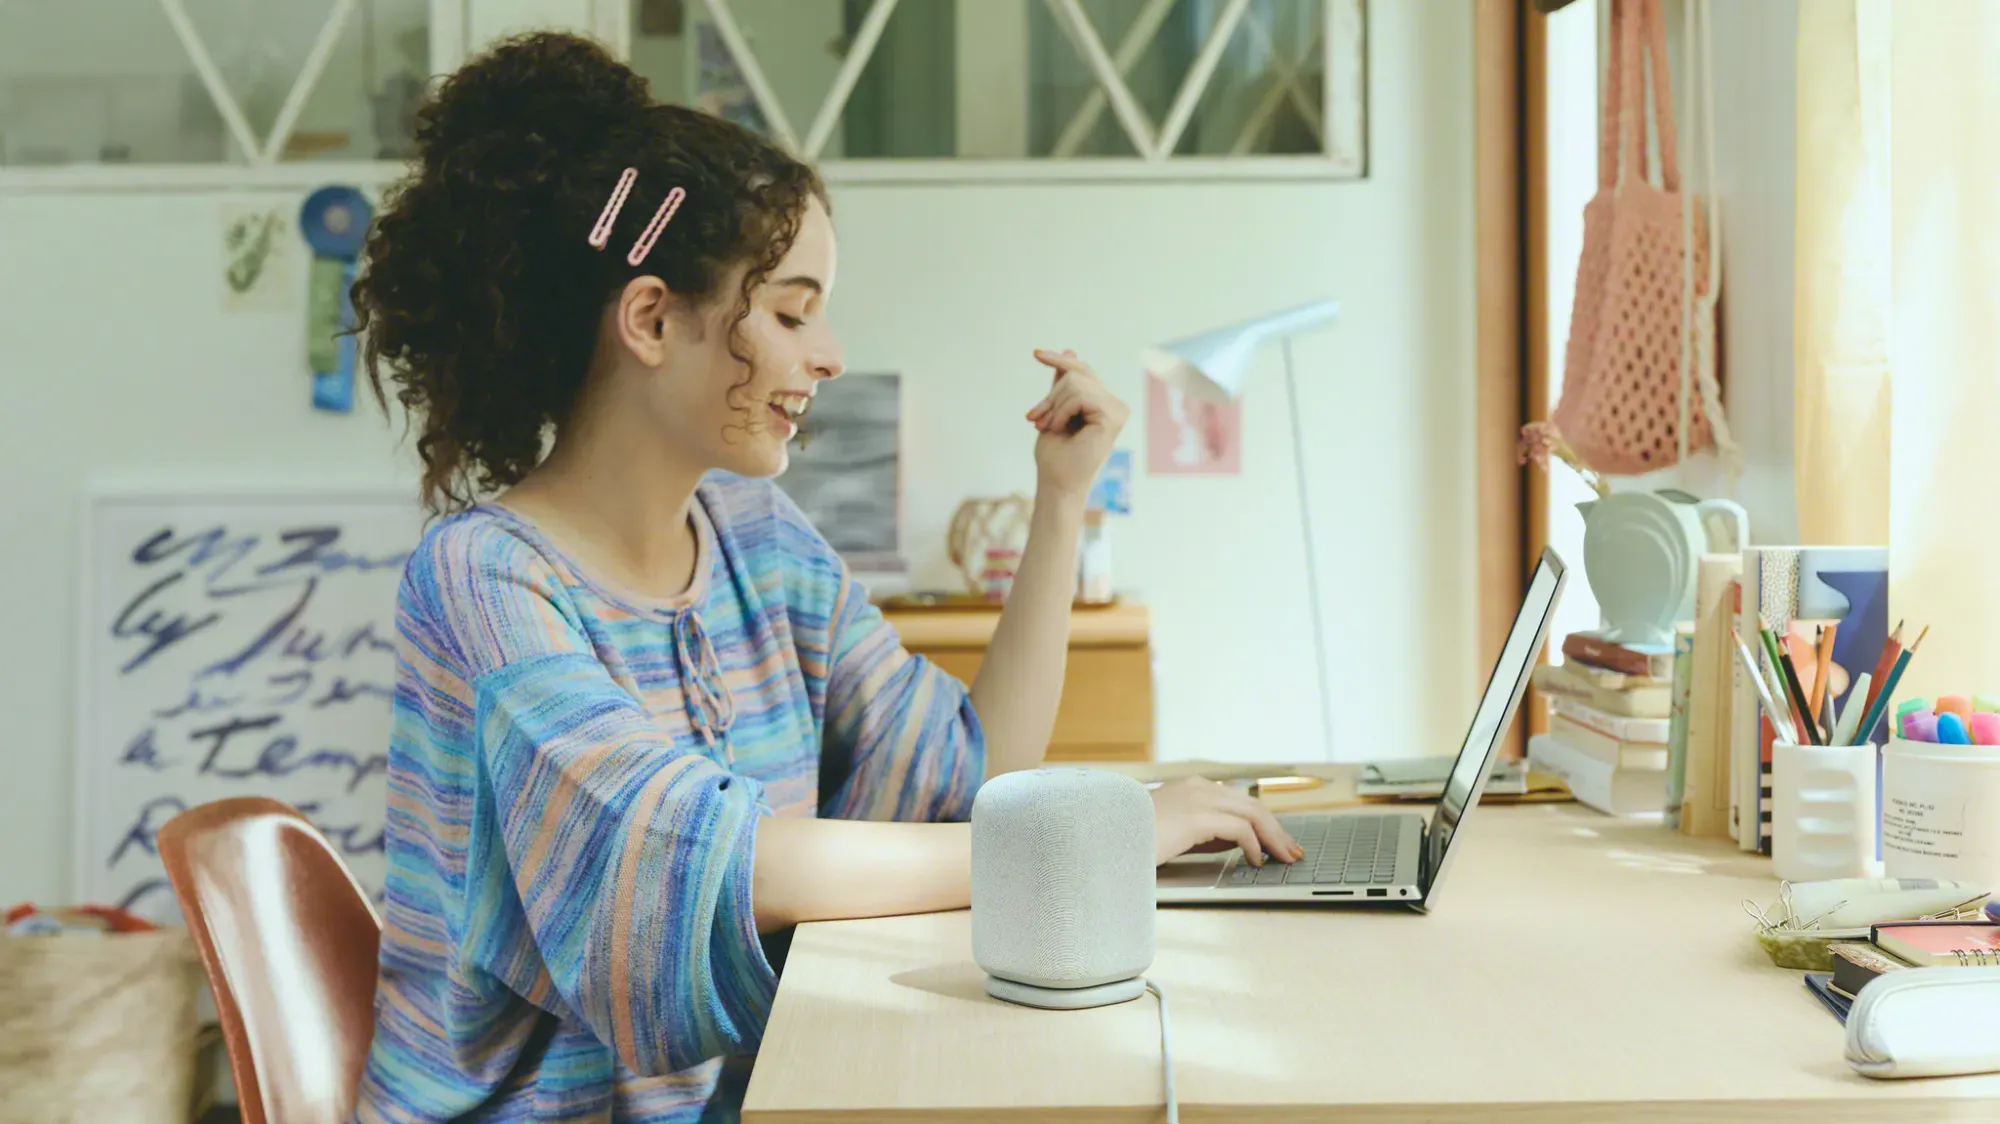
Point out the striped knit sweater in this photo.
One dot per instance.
(576, 777)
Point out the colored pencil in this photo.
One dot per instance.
(1797, 689)
(1822, 660)
(1884, 663)
(1769, 642)
(1874, 716)
(1781, 719)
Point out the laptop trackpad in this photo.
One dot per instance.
(1193, 872)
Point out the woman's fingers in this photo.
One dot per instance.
(1237, 830)
(1063, 405)
(1064, 362)
(1276, 839)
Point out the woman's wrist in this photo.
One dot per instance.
(1061, 500)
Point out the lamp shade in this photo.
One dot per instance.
(1214, 365)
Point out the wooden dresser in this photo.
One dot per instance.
(1107, 704)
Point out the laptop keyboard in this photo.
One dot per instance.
(1341, 850)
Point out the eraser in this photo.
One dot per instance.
(1920, 726)
(1987, 703)
(1951, 730)
(1954, 704)
(1908, 705)
(1985, 727)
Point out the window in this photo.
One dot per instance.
(209, 82)
(138, 93)
(1032, 87)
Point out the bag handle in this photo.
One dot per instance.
(1611, 123)
(1638, 50)
(1655, 34)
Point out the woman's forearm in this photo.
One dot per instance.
(829, 870)
(1020, 681)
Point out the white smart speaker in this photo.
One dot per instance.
(1062, 887)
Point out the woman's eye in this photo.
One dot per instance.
(792, 322)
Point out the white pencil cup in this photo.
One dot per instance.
(1822, 812)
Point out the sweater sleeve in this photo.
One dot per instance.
(620, 861)
(904, 727)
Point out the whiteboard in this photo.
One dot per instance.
(234, 645)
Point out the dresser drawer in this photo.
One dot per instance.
(1107, 704)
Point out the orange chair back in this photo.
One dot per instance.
(289, 941)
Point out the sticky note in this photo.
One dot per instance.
(1920, 726)
(1954, 704)
(1985, 726)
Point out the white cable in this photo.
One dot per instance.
(1167, 1053)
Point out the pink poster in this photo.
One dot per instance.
(1188, 437)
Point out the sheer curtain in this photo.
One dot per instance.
(1842, 301)
(1898, 312)
(1944, 463)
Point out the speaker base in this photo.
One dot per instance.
(1066, 998)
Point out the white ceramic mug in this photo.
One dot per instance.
(1822, 812)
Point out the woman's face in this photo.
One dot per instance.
(721, 415)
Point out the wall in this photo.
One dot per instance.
(118, 366)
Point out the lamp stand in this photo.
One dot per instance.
(1312, 563)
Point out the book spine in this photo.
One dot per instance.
(1603, 653)
(1589, 779)
(1677, 725)
(1621, 726)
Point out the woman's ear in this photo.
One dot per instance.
(645, 318)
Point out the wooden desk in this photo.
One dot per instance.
(1578, 968)
(1107, 704)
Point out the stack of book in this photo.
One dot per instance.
(1895, 945)
(1608, 725)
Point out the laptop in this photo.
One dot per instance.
(1398, 858)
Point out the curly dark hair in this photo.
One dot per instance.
(480, 297)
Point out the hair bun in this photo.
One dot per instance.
(529, 103)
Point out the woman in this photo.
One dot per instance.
(644, 717)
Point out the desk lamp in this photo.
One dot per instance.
(1213, 367)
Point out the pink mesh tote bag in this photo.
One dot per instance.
(1624, 382)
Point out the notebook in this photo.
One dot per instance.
(1821, 984)
(1940, 943)
(1855, 964)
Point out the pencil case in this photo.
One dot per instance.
(1926, 1022)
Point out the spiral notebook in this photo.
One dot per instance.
(1940, 943)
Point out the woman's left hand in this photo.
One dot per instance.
(1079, 421)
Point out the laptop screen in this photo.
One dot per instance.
(1495, 713)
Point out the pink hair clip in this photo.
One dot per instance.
(601, 233)
(661, 218)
